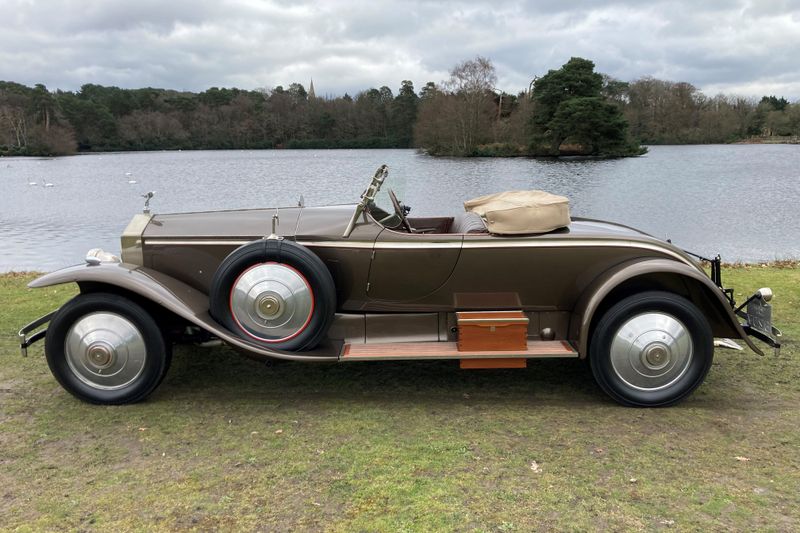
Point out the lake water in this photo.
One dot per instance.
(737, 200)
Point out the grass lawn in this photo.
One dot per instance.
(229, 443)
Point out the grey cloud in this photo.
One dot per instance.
(744, 47)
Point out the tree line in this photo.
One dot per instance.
(35, 121)
(570, 110)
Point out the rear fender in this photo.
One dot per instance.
(172, 295)
(662, 274)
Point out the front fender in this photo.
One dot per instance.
(173, 295)
(592, 297)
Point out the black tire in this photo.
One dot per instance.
(284, 253)
(632, 374)
(76, 377)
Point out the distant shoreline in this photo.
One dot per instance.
(755, 140)
(788, 139)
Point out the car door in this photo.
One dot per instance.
(410, 266)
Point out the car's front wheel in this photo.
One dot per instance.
(651, 349)
(106, 349)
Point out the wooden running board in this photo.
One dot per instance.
(399, 351)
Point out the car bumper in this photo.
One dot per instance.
(25, 341)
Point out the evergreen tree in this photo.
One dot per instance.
(569, 106)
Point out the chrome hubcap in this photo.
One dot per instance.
(269, 306)
(105, 350)
(651, 351)
(272, 302)
(656, 356)
(100, 354)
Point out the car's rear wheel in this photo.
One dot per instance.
(651, 349)
(276, 293)
(106, 349)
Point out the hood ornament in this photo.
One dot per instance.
(147, 197)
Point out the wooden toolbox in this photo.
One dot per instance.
(492, 331)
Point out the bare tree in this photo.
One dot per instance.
(457, 118)
(473, 76)
(472, 84)
(12, 116)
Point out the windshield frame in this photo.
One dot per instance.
(367, 198)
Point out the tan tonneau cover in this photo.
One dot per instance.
(516, 212)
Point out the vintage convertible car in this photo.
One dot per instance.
(367, 283)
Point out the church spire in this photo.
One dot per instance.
(311, 90)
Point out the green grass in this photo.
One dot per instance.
(229, 443)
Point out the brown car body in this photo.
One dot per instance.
(395, 287)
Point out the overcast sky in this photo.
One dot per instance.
(748, 48)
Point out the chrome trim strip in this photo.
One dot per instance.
(205, 242)
(230, 242)
(387, 245)
(337, 244)
(564, 243)
(509, 321)
(467, 244)
(550, 243)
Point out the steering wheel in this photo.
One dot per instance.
(400, 210)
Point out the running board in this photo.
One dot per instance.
(403, 351)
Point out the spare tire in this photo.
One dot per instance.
(274, 292)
